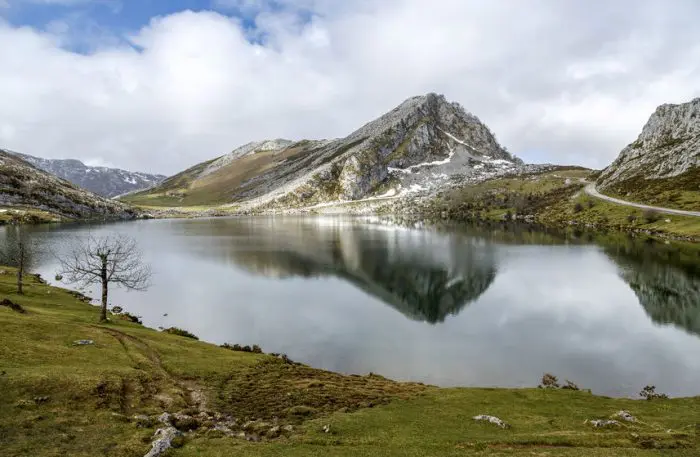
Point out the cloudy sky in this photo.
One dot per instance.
(159, 85)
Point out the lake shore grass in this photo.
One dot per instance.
(59, 397)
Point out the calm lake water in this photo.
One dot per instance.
(452, 308)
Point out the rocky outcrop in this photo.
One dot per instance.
(22, 185)
(104, 181)
(669, 146)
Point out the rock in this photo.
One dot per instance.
(40, 400)
(492, 419)
(254, 437)
(288, 428)
(274, 432)
(164, 439)
(602, 423)
(223, 429)
(83, 343)
(625, 415)
(165, 418)
(13, 306)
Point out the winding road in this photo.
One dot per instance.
(591, 190)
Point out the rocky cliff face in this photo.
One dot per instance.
(23, 185)
(425, 143)
(668, 147)
(108, 182)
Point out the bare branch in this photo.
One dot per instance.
(113, 259)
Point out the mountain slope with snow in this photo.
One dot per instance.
(104, 181)
(424, 143)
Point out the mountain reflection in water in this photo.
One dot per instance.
(669, 291)
(424, 278)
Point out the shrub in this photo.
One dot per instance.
(578, 207)
(180, 332)
(255, 349)
(649, 392)
(549, 381)
(651, 216)
(570, 385)
(631, 218)
(591, 203)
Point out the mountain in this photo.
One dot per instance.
(664, 159)
(108, 182)
(423, 144)
(22, 185)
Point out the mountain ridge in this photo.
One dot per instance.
(422, 143)
(24, 185)
(105, 181)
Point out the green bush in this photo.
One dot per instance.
(180, 332)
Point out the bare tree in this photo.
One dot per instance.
(108, 260)
(18, 251)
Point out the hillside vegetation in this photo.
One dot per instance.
(31, 191)
(103, 398)
(553, 198)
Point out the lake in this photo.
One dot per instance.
(458, 307)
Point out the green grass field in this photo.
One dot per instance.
(61, 399)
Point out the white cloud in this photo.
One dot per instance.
(556, 81)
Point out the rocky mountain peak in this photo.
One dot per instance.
(668, 146)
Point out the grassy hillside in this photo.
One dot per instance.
(59, 398)
(554, 198)
(680, 192)
(240, 179)
(33, 195)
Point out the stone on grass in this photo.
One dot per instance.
(492, 419)
(625, 415)
(165, 418)
(602, 423)
(274, 432)
(83, 343)
(164, 439)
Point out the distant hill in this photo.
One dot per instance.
(23, 185)
(662, 166)
(108, 182)
(423, 144)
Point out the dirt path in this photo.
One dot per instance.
(591, 190)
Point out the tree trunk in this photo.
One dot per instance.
(103, 274)
(20, 269)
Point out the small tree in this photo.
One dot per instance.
(107, 260)
(19, 252)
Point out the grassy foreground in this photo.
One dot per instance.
(58, 398)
